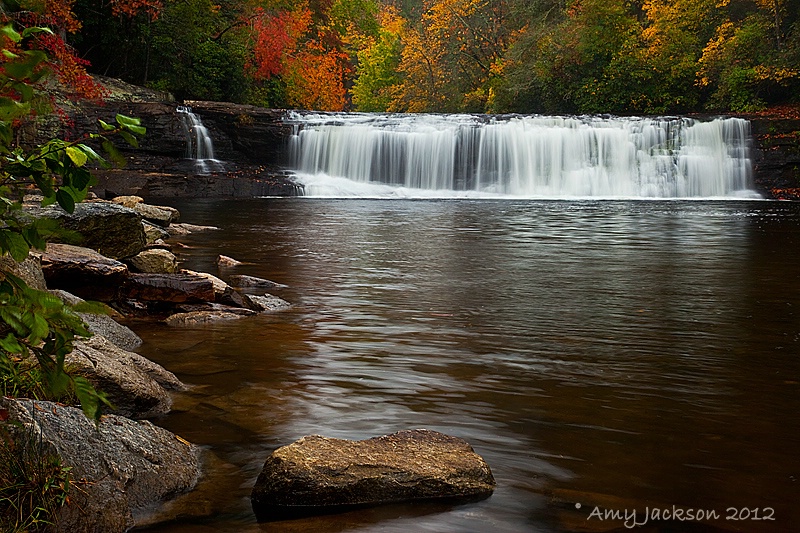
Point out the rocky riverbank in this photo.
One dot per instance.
(124, 467)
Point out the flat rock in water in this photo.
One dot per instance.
(317, 475)
(195, 318)
(241, 281)
(82, 271)
(268, 303)
(176, 288)
(186, 229)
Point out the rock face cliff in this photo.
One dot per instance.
(249, 142)
(776, 157)
(252, 145)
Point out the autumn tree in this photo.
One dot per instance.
(377, 76)
(450, 57)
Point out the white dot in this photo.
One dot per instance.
(577, 506)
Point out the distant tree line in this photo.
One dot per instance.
(546, 56)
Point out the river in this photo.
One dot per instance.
(622, 355)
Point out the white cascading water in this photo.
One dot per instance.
(521, 156)
(199, 146)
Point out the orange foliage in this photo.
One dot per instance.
(315, 78)
(276, 37)
(131, 8)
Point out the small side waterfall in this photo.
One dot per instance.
(525, 156)
(199, 146)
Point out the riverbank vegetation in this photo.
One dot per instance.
(549, 56)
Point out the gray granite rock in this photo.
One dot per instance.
(121, 468)
(136, 386)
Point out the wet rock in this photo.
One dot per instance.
(219, 286)
(82, 271)
(241, 281)
(196, 318)
(224, 293)
(136, 386)
(269, 303)
(186, 229)
(176, 288)
(128, 201)
(121, 336)
(29, 270)
(121, 468)
(154, 261)
(318, 474)
(110, 229)
(155, 214)
(153, 232)
(225, 261)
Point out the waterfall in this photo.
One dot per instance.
(524, 156)
(199, 146)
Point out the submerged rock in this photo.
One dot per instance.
(225, 261)
(241, 281)
(318, 475)
(121, 468)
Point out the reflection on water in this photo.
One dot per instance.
(616, 354)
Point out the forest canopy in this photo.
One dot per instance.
(497, 56)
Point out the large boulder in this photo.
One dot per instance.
(136, 386)
(102, 324)
(111, 229)
(121, 468)
(82, 271)
(318, 474)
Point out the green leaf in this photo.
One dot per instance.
(127, 121)
(91, 400)
(14, 244)
(27, 32)
(76, 155)
(113, 153)
(9, 32)
(10, 344)
(106, 126)
(65, 200)
(130, 139)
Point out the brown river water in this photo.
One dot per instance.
(636, 357)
